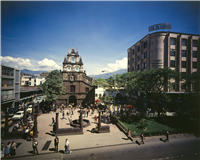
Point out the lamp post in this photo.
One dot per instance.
(114, 92)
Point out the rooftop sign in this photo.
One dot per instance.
(160, 26)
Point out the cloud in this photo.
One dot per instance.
(111, 67)
(48, 63)
(20, 63)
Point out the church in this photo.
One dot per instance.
(79, 88)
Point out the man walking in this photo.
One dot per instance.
(142, 138)
(67, 147)
(53, 121)
(34, 144)
(167, 136)
(63, 115)
(56, 141)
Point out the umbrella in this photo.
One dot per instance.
(97, 100)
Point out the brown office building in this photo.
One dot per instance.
(179, 51)
(79, 88)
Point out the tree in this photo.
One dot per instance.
(100, 82)
(154, 83)
(53, 86)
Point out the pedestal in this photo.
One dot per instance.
(57, 121)
(35, 131)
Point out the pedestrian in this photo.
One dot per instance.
(2, 150)
(67, 147)
(31, 134)
(13, 148)
(87, 113)
(142, 138)
(56, 141)
(95, 117)
(34, 145)
(167, 136)
(53, 121)
(63, 115)
(7, 154)
(54, 128)
(26, 133)
(129, 134)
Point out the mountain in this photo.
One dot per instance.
(107, 75)
(31, 72)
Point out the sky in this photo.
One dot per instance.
(36, 35)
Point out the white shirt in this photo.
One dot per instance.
(67, 143)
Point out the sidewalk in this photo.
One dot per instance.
(77, 142)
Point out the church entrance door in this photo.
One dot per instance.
(72, 99)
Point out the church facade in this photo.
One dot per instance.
(79, 88)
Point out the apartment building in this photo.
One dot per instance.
(10, 86)
(36, 81)
(179, 51)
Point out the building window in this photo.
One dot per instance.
(145, 65)
(133, 52)
(72, 88)
(172, 52)
(194, 43)
(7, 83)
(72, 60)
(172, 63)
(172, 41)
(145, 44)
(133, 60)
(183, 53)
(86, 89)
(194, 64)
(183, 64)
(132, 68)
(138, 48)
(128, 54)
(138, 67)
(72, 78)
(194, 54)
(142, 65)
(145, 54)
(173, 86)
(183, 75)
(128, 62)
(128, 69)
(34, 80)
(6, 95)
(183, 86)
(7, 71)
(139, 58)
(184, 42)
(77, 69)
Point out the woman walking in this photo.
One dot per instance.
(7, 154)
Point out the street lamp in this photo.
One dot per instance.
(114, 92)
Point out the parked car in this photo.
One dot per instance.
(11, 112)
(29, 109)
(18, 116)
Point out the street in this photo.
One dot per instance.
(184, 148)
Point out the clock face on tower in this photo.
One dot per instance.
(73, 60)
(68, 68)
(77, 69)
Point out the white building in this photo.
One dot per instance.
(36, 81)
(99, 92)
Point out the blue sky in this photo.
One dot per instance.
(37, 35)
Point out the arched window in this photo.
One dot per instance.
(86, 89)
(72, 88)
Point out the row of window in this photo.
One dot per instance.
(183, 53)
(7, 71)
(69, 68)
(6, 95)
(138, 48)
(183, 64)
(7, 83)
(144, 55)
(183, 42)
(144, 66)
(72, 89)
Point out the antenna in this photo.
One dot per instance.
(73, 42)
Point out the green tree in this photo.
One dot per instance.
(53, 86)
(100, 82)
(154, 83)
